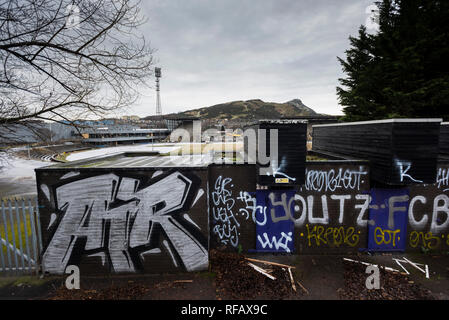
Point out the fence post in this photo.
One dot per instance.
(19, 231)
(2, 256)
(13, 232)
(6, 236)
(27, 235)
(38, 222)
(33, 232)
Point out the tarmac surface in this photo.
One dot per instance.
(322, 277)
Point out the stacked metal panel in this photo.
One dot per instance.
(287, 167)
(444, 141)
(401, 151)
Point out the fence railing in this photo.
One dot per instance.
(20, 237)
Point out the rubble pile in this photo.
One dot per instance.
(236, 279)
(129, 292)
(393, 286)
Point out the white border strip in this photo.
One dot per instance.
(379, 121)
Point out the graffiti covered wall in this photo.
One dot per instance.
(328, 214)
(275, 232)
(428, 214)
(336, 211)
(233, 207)
(333, 208)
(124, 221)
(136, 220)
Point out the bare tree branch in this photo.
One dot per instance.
(57, 70)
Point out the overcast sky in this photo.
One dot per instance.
(215, 51)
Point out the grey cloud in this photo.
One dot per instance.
(214, 51)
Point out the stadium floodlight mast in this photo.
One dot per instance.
(158, 74)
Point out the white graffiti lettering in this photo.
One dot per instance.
(285, 206)
(226, 225)
(312, 219)
(323, 181)
(404, 167)
(443, 179)
(121, 219)
(437, 226)
(417, 225)
(282, 243)
(251, 209)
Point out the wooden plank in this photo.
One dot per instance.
(262, 271)
(183, 281)
(302, 287)
(270, 263)
(291, 279)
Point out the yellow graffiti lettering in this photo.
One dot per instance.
(320, 231)
(328, 233)
(424, 239)
(339, 235)
(351, 238)
(332, 236)
(386, 236)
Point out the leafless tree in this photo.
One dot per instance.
(62, 60)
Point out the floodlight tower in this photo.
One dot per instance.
(158, 74)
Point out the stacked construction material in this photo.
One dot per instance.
(444, 141)
(401, 151)
(287, 167)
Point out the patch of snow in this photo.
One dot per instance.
(162, 148)
(18, 169)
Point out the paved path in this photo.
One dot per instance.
(321, 275)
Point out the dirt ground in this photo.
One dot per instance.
(231, 278)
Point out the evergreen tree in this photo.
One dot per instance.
(402, 71)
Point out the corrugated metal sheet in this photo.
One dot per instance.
(401, 151)
(444, 140)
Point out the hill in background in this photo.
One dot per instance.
(251, 110)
